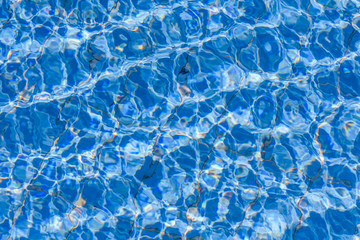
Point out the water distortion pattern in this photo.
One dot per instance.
(165, 119)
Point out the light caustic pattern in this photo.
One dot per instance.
(179, 119)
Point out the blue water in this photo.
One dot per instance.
(166, 119)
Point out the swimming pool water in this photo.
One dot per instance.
(164, 119)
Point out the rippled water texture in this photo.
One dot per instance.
(211, 119)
